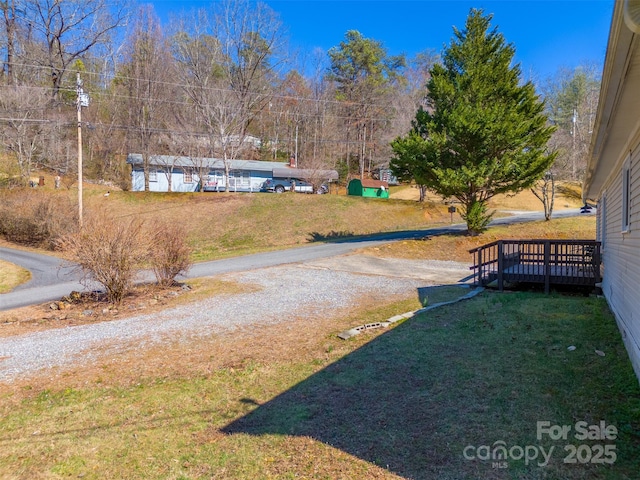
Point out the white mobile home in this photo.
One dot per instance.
(613, 175)
(184, 173)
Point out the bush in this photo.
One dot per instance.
(170, 253)
(31, 217)
(477, 218)
(109, 252)
(112, 252)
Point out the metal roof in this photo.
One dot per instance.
(304, 173)
(277, 169)
(211, 163)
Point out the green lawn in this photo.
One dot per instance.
(406, 402)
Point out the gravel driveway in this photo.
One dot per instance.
(286, 292)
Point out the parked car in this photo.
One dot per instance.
(280, 185)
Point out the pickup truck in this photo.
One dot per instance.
(280, 185)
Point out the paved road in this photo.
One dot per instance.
(45, 269)
(51, 280)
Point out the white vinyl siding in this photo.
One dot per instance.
(621, 256)
(613, 167)
(626, 196)
(601, 221)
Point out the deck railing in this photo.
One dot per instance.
(551, 262)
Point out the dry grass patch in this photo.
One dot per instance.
(220, 225)
(35, 217)
(11, 276)
(456, 246)
(568, 195)
(87, 308)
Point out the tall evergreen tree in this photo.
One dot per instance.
(483, 132)
(364, 75)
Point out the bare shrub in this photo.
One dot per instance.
(31, 217)
(170, 255)
(110, 253)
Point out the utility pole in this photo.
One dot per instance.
(363, 153)
(82, 101)
(296, 154)
(573, 143)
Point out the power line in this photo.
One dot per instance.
(291, 115)
(185, 86)
(130, 128)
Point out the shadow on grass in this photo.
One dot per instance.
(348, 237)
(331, 236)
(474, 373)
(570, 191)
(372, 404)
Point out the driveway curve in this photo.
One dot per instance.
(52, 278)
(284, 293)
(308, 282)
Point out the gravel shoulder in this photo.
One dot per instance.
(284, 294)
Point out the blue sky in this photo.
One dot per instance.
(547, 34)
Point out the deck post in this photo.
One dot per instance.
(500, 265)
(596, 262)
(480, 267)
(547, 266)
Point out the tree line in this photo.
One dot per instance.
(222, 82)
(207, 84)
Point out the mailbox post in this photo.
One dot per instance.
(452, 210)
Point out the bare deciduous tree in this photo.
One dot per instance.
(146, 82)
(572, 99)
(63, 31)
(23, 126)
(228, 59)
(9, 22)
(545, 190)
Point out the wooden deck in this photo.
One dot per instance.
(548, 262)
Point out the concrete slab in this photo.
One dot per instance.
(431, 271)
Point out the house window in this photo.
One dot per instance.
(239, 178)
(153, 175)
(217, 176)
(187, 176)
(626, 197)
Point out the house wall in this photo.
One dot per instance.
(621, 261)
(244, 180)
(161, 184)
(239, 180)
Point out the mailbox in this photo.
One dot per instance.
(452, 209)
